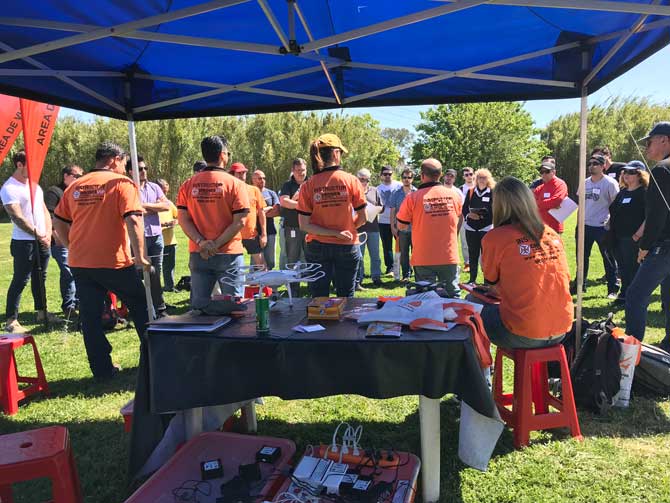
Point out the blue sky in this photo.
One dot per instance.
(649, 79)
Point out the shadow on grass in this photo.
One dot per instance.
(88, 387)
(100, 451)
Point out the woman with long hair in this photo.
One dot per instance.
(627, 222)
(524, 263)
(331, 207)
(477, 210)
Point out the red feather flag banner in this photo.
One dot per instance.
(39, 122)
(10, 123)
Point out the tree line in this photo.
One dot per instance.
(499, 136)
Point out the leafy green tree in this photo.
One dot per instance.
(617, 125)
(497, 136)
(402, 138)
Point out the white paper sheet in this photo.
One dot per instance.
(567, 208)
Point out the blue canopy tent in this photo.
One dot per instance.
(186, 58)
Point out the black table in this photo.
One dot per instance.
(181, 371)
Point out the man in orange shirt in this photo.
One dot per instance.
(99, 219)
(433, 211)
(549, 194)
(213, 206)
(254, 234)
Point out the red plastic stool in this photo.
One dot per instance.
(251, 290)
(10, 394)
(36, 454)
(531, 387)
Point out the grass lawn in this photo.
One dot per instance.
(624, 456)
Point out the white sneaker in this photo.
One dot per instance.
(14, 327)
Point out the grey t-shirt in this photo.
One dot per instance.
(599, 195)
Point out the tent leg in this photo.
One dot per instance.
(136, 179)
(580, 217)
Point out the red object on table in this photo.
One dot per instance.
(531, 387)
(232, 449)
(484, 297)
(10, 394)
(400, 466)
(42, 453)
(251, 290)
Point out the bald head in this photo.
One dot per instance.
(431, 169)
(258, 179)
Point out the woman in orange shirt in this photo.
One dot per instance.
(524, 262)
(331, 207)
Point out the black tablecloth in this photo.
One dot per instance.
(180, 371)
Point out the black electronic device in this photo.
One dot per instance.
(211, 469)
(250, 472)
(358, 490)
(236, 490)
(268, 454)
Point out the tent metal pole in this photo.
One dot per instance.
(583, 114)
(136, 179)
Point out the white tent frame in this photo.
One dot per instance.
(429, 409)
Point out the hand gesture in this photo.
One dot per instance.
(345, 236)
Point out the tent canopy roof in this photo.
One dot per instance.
(185, 58)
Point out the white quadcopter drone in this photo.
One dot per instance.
(257, 275)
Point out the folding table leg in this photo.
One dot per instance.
(249, 416)
(192, 422)
(429, 421)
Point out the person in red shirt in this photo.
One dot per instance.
(254, 234)
(99, 218)
(524, 263)
(434, 212)
(331, 207)
(213, 206)
(549, 194)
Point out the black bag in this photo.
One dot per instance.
(652, 375)
(184, 284)
(595, 373)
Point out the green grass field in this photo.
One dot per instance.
(624, 456)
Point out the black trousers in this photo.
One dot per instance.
(387, 245)
(474, 240)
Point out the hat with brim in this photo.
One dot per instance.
(331, 140)
(450, 171)
(599, 159)
(660, 128)
(635, 166)
(238, 167)
(547, 165)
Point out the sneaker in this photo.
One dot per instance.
(377, 282)
(116, 368)
(360, 288)
(14, 327)
(50, 318)
(612, 295)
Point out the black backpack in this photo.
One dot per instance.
(652, 375)
(595, 372)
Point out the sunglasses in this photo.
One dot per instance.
(142, 168)
(545, 171)
(364, 180)
(631, 171)
(407, 177)
(387, 174)
(467, 174)
(73, 175)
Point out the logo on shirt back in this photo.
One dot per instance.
(524, 250)
(76, 194)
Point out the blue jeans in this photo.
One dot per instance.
(597, 235)
(205, 273)
(372, 244)
(93, 284)
(654, 271)
(343, 259)
(269, 251)
(68, 291)
(169, 260)
(500, 336)
(446, 274)
(25, 267)
(154, 248)
(405, 243)
(625, 252)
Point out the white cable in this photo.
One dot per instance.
(287, 497)
(333, 445)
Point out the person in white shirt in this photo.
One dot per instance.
(469, 177)
(385, 188)
(31, 240)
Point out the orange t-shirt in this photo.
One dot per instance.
(95, 206)
(433, 211)
(533, 281)
(330, 197)
(256, 204)
(211, 198)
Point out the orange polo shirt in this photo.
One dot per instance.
(533, 281)
(95, 206)
(211, 198)
(433, 211)
(330, 198)
(256, 204)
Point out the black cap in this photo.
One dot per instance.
(450, 172)
(635, 166)
(600, 159)
(660, 128)
(547, 165)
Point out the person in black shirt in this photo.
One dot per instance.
(627, 222)
(288, 201)
(478, 212)
(654, 254)
(612, 169)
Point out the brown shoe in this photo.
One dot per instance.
(466, 268)
(50, 318)
(14, 327)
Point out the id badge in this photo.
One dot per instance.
(292, 233)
